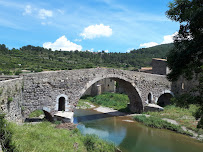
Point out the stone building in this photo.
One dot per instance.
(101, 86)
(159, 66)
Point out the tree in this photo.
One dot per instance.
(186, 58)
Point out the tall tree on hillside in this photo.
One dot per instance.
(186, 58)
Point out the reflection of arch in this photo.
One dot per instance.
(130, 89)
(61, 104)
(149, 97)
(165, 98)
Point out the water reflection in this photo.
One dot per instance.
(133, 136)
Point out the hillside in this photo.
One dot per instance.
(36, 59)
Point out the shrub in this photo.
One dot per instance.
(94, 144)
(5, 134)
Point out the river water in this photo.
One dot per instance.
(133, 136)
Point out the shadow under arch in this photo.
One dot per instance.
(164, 98)
(136, 105)
(47, 115)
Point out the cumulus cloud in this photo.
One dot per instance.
(94, 31)
(149, 44)
(167, 39)
(130, 50)
(27, 10)
(43, 13)
(63, 44)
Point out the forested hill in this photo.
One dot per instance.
(36, 59)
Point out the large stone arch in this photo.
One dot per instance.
(136, 105)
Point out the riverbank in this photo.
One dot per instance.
(46, 137)
(166, 122)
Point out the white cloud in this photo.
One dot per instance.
(169, 38)
(27, 10)
(46, 23)
(91, 50)
(146, 45)
(63, 44)
(61, 11)
(77, 40)
(130, 50)
(94, 31)
(106, 51)
(43, 13)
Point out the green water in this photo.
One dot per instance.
(133, 136)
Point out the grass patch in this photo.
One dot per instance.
(44, 137)
(111, 100)
(36, 113)
(184, 116)
(82, 104)
(155, 122)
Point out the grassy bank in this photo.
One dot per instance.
(155, 122)
(44, 137)
(184, 116)
(111, 100)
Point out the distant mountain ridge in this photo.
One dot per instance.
(36, 59)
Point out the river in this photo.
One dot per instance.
(133, 136)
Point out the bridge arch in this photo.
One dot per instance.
(136, 105)
(164, 98)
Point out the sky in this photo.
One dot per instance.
(93, 25)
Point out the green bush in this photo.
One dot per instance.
(18, 72)
(5, 135)
(94, 144)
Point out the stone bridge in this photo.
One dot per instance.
(61, 90)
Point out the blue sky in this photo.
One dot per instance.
(95, 25)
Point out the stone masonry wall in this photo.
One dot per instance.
(43, 89)
(11, 98)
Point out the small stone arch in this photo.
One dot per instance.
(62, 103)
(164, 98)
